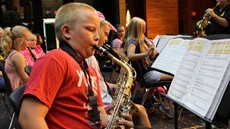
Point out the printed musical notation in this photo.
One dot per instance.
(201, 74)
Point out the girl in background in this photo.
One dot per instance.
(118, 38)
(117, 44)
(33, 51)
(39, 39)
(138, 49)
(14, 41)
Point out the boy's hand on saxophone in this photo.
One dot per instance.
(126, 121)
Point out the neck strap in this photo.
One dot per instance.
(92, 99)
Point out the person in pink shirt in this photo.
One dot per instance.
(39, 41)
(14, 41)
(118, 38)
(33, 51)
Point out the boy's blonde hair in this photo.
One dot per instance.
(69, 14)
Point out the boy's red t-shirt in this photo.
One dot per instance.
(58, 81)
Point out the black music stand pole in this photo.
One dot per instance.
(208, 125)
(175, 116)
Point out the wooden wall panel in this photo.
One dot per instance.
(122, 12)
(161, 17)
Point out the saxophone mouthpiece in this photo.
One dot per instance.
(96, 47)
(101, 50)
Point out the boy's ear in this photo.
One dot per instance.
(66, 32)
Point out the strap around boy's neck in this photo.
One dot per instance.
(67, 48)
(92, 99)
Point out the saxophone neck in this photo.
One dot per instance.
(217, 5)
(208, 16)
(117, 52)
(101, 50)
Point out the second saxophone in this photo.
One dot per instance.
(202, 24)
(123, 103)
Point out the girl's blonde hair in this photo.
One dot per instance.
(69, 14)
(136, 29)
(10, 35)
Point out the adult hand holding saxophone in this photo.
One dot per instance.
(210, 12)
(215, 20)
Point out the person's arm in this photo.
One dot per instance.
(104, 116)
(222, 21)
(32, 114)
(20, 63)
(136, 56)
(132, 55)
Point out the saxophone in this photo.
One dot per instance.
(202, 24)
(123, 103)
(121, 56)
(122, 74)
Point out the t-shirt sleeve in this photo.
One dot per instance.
(45, 80)
(99, 99)
(116, 43)
(133, 41)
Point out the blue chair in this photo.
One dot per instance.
(6, 90)
(15, 98)
(28, 69)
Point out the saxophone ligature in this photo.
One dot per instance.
(123, 103)
(202, 24)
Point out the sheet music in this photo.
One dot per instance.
(223, 86)
(172, 54)
(164, 39)
(156, 40)
(162, 43)
(224, 50)
(203, 76)
(181, 84)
